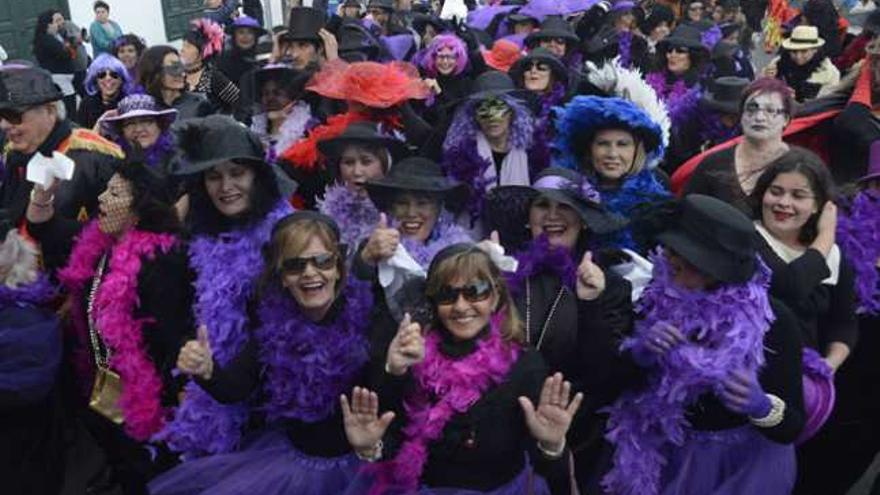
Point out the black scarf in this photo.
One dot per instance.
(796, 75)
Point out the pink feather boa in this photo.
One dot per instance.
(443, 388)
(114, 307)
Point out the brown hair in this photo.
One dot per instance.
(471, 264)
(640, 157)
(290, 240)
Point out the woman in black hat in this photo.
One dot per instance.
(542, 74)
(797, 222)
(657, 25)
(492, 141)
(360, 154)
(314, 333)
(162, 75)
(200, 45)
(464, 395)
(418, 204)
(235, 198)
(568, 299)
(719, 402)
(129, 287)
(284, 116)
(619, 37)
(556, 36)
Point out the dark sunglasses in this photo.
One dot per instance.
(12, 115)
(108, 73)
(473, 293)
(540, 66)
(679, 49)
(175, 69)
(296, 266)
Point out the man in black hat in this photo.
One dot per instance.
(306, 44)
(30, 118)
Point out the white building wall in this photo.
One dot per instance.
(144, 17)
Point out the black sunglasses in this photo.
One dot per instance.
(12, 115)
(297, 266)
(680, 49)
(474, 293)
(540, 66)
(174, 69)
(108, 73)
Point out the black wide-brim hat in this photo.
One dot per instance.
(552, 27)
(294, 80)
(491, 84)
(559, 70)
(210, 141)
(714, 237)
(724, 94)
(684, 35)
(23, 86)
(419, 175)
(362, 133)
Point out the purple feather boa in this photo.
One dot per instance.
(681, 101)
(157, 153)
(727, 333)
(541, 257)
(464, 128)
(227, 267)
(445, 233)
(355, 214)
(624, 48)
(858, 235)
(307, 364)
(36, 293)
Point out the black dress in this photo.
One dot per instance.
(716, 176)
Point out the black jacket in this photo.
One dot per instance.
(52, 55)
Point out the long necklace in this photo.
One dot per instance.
(546, 321)
(101, 351)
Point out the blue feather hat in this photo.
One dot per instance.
(578, 120)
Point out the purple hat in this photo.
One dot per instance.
(873, 163)
(137, 106)
(819, 393)
(244, 21)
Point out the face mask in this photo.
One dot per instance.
(492, 109)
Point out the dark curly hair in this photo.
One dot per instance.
(129, 39)
(151, 204)
(150, 71)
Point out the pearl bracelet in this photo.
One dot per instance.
(774, 417)
(374, 456)
(550, 454)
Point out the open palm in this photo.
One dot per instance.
(363, 425)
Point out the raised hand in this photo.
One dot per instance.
(826, 226)
(742, 393)
(195, 357)
(382, 242)
(590, 279)
(407, 348)
(364, 428)
(549, 423)
(331, 45)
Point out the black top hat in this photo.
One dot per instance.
(684, 35)
(362, 133)
(715, 237)
(560, 72)
(304, 24)
(22, 86)
(507, 207)
(209, 141)
(553, 27)
(381, 4)
(420, 175)
(491, 83)
(724, 94)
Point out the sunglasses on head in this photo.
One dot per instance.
(473, 293)
(12, 115)
(108, 73)
(298, 265)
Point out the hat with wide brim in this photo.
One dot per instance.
(724, 94)
(803, 38)
(491, 84)
(246, 22)
(294, 80)
(419, 175)
(502, 56)
(553, 27)
(819, 393)
(23, 86)
(684, 35)
(559, 70)
(714, 237)
(210, 141)
(137, 106)
(362, 133)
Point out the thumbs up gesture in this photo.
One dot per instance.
(590, 279)
(382, 242)
(195, 357)
(407, 348)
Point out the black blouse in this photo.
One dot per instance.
(716, 176)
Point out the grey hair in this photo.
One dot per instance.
(18, 260)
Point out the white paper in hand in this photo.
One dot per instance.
(43, 170)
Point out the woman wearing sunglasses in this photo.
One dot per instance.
(107, 81)
(545, 78)
(163, 76)
(201, 44)
(235, 198)
(311, 342)
(476, 403)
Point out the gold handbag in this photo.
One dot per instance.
(105, 395)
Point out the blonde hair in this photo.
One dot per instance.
(640, 157)
(290, 240)
(473, 264)
(20, 258)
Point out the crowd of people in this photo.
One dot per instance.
(522, 247)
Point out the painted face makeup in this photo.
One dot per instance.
(764, 117)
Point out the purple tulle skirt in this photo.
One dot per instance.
(730, 462)
(268, 465)
(527, 482)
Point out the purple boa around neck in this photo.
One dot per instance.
(307, 364)
(858, 235)
(36, 293)
(227, 267)
(712, 130)
(540, 257)
(550, 100)
(464, 126)
(727, 333)
(681, 101)
(624, 48)
(157, 153)
(445, 233)
(355, 215)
